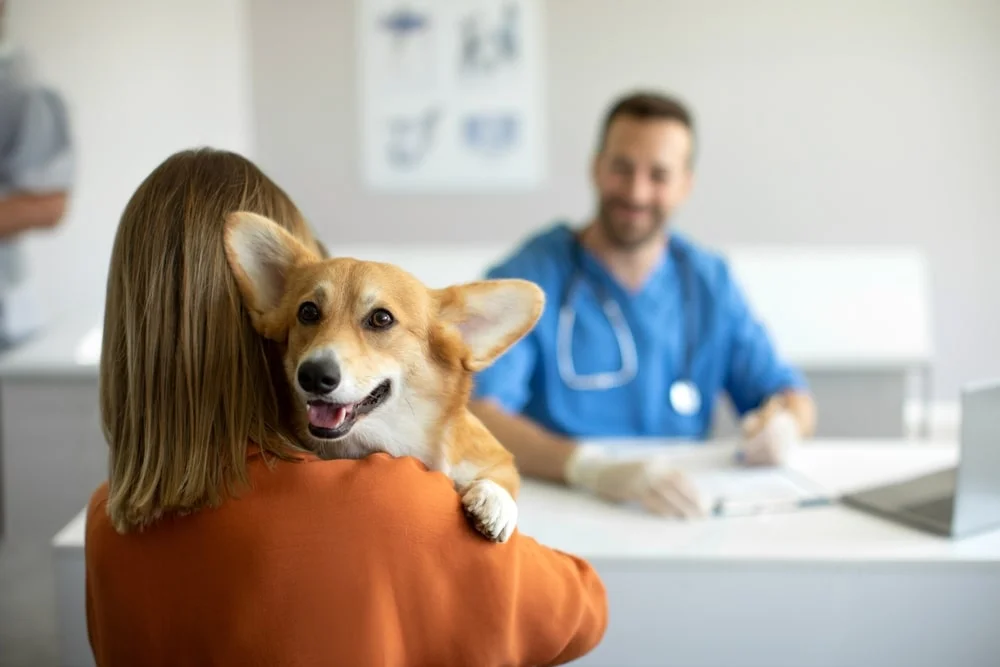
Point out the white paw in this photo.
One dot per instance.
(492, 509)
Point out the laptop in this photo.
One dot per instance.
(958, 501)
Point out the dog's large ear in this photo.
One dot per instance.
(261, 255)
(491, 315)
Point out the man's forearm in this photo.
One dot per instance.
(20, 212)
(537, 451)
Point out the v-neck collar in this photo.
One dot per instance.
(657, 283)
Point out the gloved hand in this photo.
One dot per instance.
(769, 434)
(657, 488)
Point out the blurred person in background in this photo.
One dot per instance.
(643, 329)
(36, 174)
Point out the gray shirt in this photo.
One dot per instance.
(36, 155)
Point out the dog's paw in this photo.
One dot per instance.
(491, 508)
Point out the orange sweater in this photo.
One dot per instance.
(352, 563)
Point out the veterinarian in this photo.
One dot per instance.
(36, 174)
(643, 328)
(218, 540)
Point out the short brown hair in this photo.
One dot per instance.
(186, 384)
(646, 105)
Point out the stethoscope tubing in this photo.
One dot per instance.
(623, 333)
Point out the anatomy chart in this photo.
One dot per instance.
(450, 94)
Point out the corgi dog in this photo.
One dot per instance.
(381, 363)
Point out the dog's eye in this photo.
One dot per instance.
(380, 318)
(309, 313)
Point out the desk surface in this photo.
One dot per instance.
(596, 530)
(586, 526)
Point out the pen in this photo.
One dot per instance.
(725, 507)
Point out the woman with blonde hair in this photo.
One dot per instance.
(218, 540)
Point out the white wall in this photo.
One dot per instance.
(142, 79)
(849, 122)
(825, 121)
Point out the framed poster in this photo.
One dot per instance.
(450, 94)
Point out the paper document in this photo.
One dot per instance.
(738, 491)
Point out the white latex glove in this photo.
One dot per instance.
(769, 436)
(657, 488)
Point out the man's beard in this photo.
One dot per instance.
(626, 234)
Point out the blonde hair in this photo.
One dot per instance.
(186, 384)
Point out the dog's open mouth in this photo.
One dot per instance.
(334, 420)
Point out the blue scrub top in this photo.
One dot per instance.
(733, 354)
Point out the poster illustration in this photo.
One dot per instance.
(451, 94)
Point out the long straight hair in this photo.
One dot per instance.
(186, 384)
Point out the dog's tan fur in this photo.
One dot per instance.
(440, 338)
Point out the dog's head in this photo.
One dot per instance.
(376, 359)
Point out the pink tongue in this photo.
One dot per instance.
(328, 416)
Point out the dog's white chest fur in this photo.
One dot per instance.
(402, 431)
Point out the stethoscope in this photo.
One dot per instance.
(684, 396)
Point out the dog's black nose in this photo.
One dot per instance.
(319, 376)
